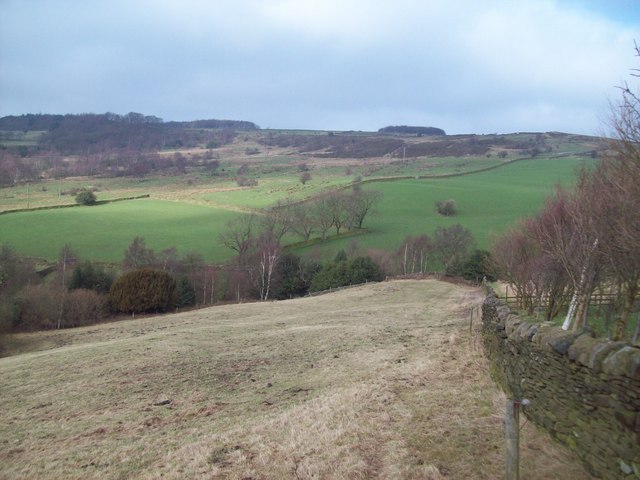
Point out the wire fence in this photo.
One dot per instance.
(597, 299)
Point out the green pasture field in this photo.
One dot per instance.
(53, 192)
(198, 188)
(271, 190)
(426, 166)
(488, 203)
(103, 232)
(190, 213)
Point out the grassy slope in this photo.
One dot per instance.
(103, 232)
(361, 389)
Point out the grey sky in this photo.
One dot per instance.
(466, 66)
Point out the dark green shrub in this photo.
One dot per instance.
(185, 293)
(477, 267)
(86, 197)
(333, 275)
(143, 291)
(363, 269)
(305, 177)
(448, 208)
(344, 273)
(341, 256)
(91, 277)
(292, 276)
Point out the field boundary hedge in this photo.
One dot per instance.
(71, 205)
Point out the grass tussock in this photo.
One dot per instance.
(381, 381)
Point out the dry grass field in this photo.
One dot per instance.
(380, 381)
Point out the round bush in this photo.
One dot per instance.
(86, 197)
(143, 291)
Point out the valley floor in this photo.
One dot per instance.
(380, 381)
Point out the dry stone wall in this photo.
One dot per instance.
(585, 392)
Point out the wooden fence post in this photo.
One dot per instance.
(512, 439)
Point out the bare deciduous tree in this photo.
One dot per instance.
(138, 255)
(239, 236)
(337, 204)
(275, 222)
(565, 232)
(453, 246)
(323, 215)
(414, 254)
(302, 220)
(590, 237)
(361, 203)
(617, 183)
(513, 255)
(268, 253)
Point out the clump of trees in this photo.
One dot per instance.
(586, 239)
(335, 146)
(196, 282)
(90, 276)
(15, 169)
(447, 208)
(343, 272)
(65, 299)
(256, 238)
(408, 130)
(449, 250)
(109, 145)
(72, 292)
(93, 133)
(292, 276)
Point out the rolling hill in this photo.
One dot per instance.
(382, 381)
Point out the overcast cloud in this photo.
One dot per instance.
(466, 66)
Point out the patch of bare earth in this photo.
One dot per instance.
(381, 381)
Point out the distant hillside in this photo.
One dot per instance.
(43, 146)
(343, 145)
(48, 122)
(97, 133)
(408, 130)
